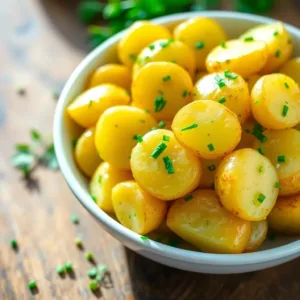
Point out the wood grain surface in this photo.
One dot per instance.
(40, 44)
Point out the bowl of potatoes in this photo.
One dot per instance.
(181, 137)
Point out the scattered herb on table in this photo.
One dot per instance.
(74, 219)
(68, 266)
(60, 270)
(144, 238)
(14, 244)
(32, 285)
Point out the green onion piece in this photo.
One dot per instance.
(286, 85)
(161, 124)
(92, 273)
(133, 57)
(230, 75)
(165, 44)
(74, 143)
(256, 101)
(185, 93)
(74, 219)
(168, 165)
(199, 45)
(281, 158)
(144, 238)
(213, 186)
(151, 47)
(158, 150)
(166, 78)
(159, 103)
(35, 135)
(60, 270)
(276, 33)
(211, 147)
(94, 198)
(68, 266)
(277, 185)
(261, 151)
(93, 285)
(14, 244)
(32, 285)
(248, 39)
(261, 198)
(211, 168)
(277, 53)
(188, 198)
(222, 100)
(78, 242)
(166, 138)
(223, 45)
(285, 110)
(89, 256)
(260, 169)
(257, 132)
(100, 179)
(220, 81)
(139, 138)
(190, 127)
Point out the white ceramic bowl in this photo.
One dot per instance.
(272, 253)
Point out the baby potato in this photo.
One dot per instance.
(209, 168)
(202, 221)
(137, 37)
(208, 128)
(292, 69)
(90, 105)
(259, 232)
(251, 80)
(118, 130)
(162, 88)
(277, 40)
(85, 152)
(104, 179)
(111, 73)
(275, 101)
(164, 168)
(282, 148)
(167, 51)
(227, 88)
(238, 56)
(202, 35)
(246, 184)
(136, 209)
(247, 138)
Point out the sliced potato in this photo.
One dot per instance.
(227, 88)
(201, 220)
(208, 128)
(275, 101)
(163, 167)
(209, 168)
(118, 131)
(259, 232)
(91, 104)
(85, 152)
(246, 184)
(202, 35)
(170, 89)
(278, 41)
(285, 216)
(104, 179)
(136, 209)
(282, 147)
(292, 69)
(238, 56)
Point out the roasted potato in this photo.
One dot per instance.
(208, 128)
(246, 184)
(292, 69)
(163, 167)
(259, 232)
(202, 221)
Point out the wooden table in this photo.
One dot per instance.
(40, 44)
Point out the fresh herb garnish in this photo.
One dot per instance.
(68, 266)
(261, 151)
(190, 127)
(158, 150)
(139, 138)
(285, 110)
(159, 103)
(210, 147)
(94, 198)
(161, 124)
(74, 219)
(277, 185)
(185, 93)
(89, 256)
(60, 270)
(248, 39)
(133, 57)
(166, 78)
(165, 44)
(168, 165)
(144, 238)
(151, 47)
(100, 179)
(261, 197)
(92, 273)
(281, 158)
(188, 198)
(276, 33)
(260, 169)
(256, 101)
(32, 285)
(230, 75)
(14, 244)
(199, 45)
(223, 45)
(78, 242)
(220, 81)
(211, 168)
(93, 285)
(277, 53)
(286, 85)
(166, 138)
(257, 132)
(222, 100)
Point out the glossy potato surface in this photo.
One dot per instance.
(259, 232)
(203, 222)
(292, 69)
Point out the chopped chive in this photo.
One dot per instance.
(151, 47)
(14, 244)
(166, 138)
(257, 132)
(199, 45)
(188, 198)
(165, 44)
(281, 158)
(223, 45)
(132, 57)
(190, 127)
(261, 151)
(230, 75)
(68, 266)
(74, 219)
(139, 138)
(222, 100)
(185, 93)
(261, 198)
(260, 169)
(168, 165)
(89, 256)
(213, 186)
(211, 168)
(276, 33)
(144, 238)
(159, 103)
(211, 147)
(256, 101)
(90, 103)
(285, 110)
(74, 143)
(100, 179)
(92, 273)
(166, 78)
(60, 270)
(161, 124)
(32, 285)
(248, 39)
(286, 85)
(94, 198)
(220, 81)
(158, 150)
(277, 185)
(35, 135)
(78, 242)
(93, 285)
(277, 53)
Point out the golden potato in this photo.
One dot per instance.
(162, 88)
(238, 56)
(201, 220)
(90, 105)
(111, 73)
(118, 130)
(259, 232)
(285, 216)
(104, 179)
(208, 128)
(246, 184)
(292, 69)
(85, 152)
(226, 88)
(137, 37)
(278, 41)
(275, 101)
(168, 51)
(251, 80)
(282, 147)
(163, 167)
(248, 138)
(202, 35)
(136, 209)
(209, 168)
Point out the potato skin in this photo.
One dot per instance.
(285, 216)
(152, 174)
(270, 94)
(241, 178)
(104, 179)
(203, 222)
(116, 133)
(259, 232)
(287, 143)
(292, 69)
(204, 30)
(209, 138)
(85, 152)
(137, 37)
(86, 109)
(236, 93)
(136, 209)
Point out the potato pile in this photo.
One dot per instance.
(195, 137)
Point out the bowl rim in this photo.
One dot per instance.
(108, 222)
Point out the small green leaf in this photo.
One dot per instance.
(48, 158)
(88, 10)
(35, 135)
(112, 10)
